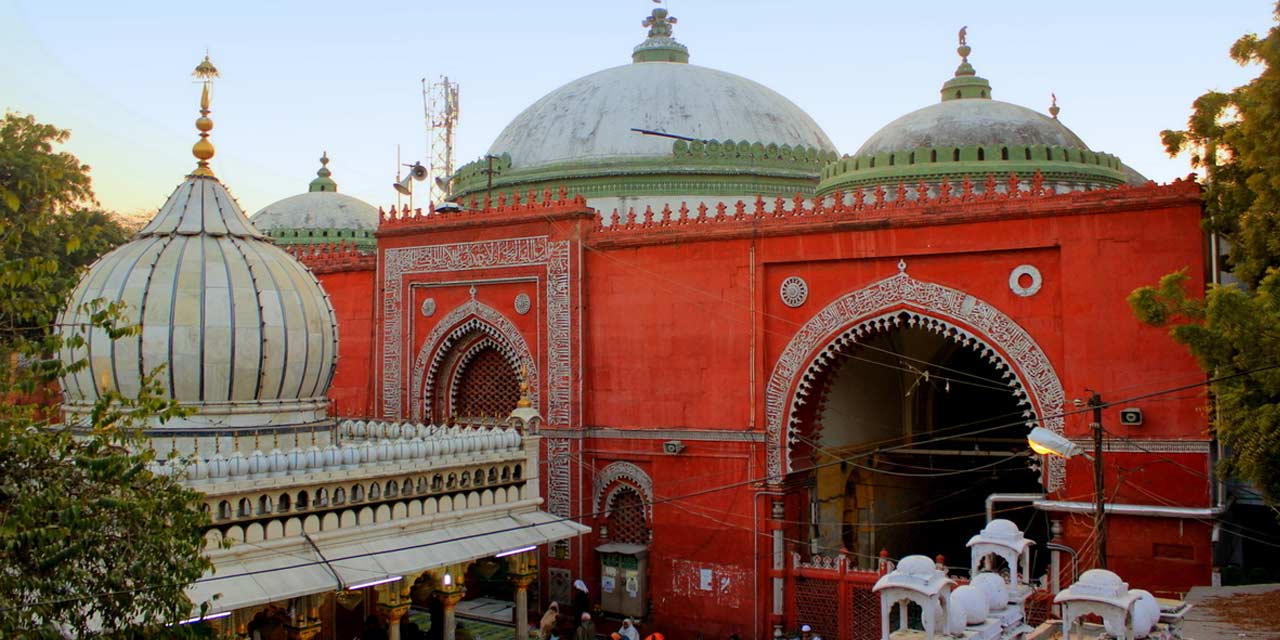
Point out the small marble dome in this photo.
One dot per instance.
(969, 135)
(1100, 584)
(238, 329)
(319, 216)
(627, 130)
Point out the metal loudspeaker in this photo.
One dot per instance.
(416, 172)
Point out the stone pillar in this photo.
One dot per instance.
(449, 595)
(522, 582)
(394, 613)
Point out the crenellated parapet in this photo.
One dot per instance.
(750, 154)
(709, 167)
(1062, 168)
(504, 207)
(333, 256)
(905, 203)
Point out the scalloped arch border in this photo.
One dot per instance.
(846, 318)
(468, 317)
(608, 480)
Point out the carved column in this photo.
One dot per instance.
(394, 613)
(522, 582)
(449, 595)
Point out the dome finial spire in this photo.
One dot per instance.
(1054, 109)
(204, 73)
(966, 83)
(660, 46)
(323, 182)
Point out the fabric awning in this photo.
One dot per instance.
(275, 575)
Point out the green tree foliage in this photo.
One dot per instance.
(49, 226)
(91, 542)
(1235, 329)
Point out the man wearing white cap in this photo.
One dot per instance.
(806, 632)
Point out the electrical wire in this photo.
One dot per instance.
(707, 491)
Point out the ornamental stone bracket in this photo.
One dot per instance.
(930, 306)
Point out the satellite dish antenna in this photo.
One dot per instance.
(416, 172)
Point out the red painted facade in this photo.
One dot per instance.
(643, 333)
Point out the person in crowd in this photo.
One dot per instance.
(628, 630)
(586, 628)
(581, 600)
(547, 625)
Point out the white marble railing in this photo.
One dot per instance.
(360, 445)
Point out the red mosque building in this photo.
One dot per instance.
(750, 350)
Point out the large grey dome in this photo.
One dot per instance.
(243, 332)
(970, 122)
(591, 119)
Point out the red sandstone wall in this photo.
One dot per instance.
(352, 295)
(670, 341)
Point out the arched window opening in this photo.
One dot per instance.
(627, 517)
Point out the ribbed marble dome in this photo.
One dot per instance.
(242, 331)
(591, 119)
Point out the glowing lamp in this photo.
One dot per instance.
(1048, 443)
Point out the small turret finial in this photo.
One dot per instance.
(1054, 109)
(323, 182)
(659, 23)
(524, 402)
(204, 73)
(660, 45)
(965, 83)
(964, 50)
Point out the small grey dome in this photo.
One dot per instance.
(961, 123)
(317, 210)
(242, 331)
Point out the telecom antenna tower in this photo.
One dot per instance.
(440, 105)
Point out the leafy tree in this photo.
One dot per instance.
(1234, 331)
(91, 542)
(49, 228)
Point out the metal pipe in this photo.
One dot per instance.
(1009, 497)
(1153, 511)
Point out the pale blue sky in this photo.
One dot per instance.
(303, 77)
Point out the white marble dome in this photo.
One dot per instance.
(590, 119)
(321, 207)
(317, 210)
(240, 330)
(969, 122)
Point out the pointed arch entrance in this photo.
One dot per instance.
(469, 366)
(896, 363)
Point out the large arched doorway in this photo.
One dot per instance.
(879, 472)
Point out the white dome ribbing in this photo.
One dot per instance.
(243, 331)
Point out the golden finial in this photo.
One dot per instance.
(524, 402)
(204, 72)
(1054, 109)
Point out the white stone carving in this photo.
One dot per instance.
(559, 336)
(794, 291)
(846, 319)
(428, 307)
(468, 256)
(559, 483)
(522, 303)
(608, 480)
(1015, 280)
